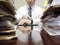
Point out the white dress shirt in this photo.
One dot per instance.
(36, 15)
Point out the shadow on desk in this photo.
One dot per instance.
(8, 42)
(15, 42)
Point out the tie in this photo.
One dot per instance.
(30, 14)
(30, 9)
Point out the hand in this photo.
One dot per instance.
(25, 29)
(26, 17)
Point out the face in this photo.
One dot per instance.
(30, 2)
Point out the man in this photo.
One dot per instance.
(34, 13)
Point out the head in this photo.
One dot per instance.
(30, 2)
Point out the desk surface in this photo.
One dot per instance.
(8, 42)
(13, 42)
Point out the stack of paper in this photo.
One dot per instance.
(7, 18)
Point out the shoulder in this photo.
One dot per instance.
(21, 8)
(37, 7)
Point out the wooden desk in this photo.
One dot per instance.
(14, 42)
(50, 40)
(8, 42)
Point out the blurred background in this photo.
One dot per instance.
(19, 3)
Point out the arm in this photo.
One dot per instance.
(18, 16)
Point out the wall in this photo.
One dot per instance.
(19, 3)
